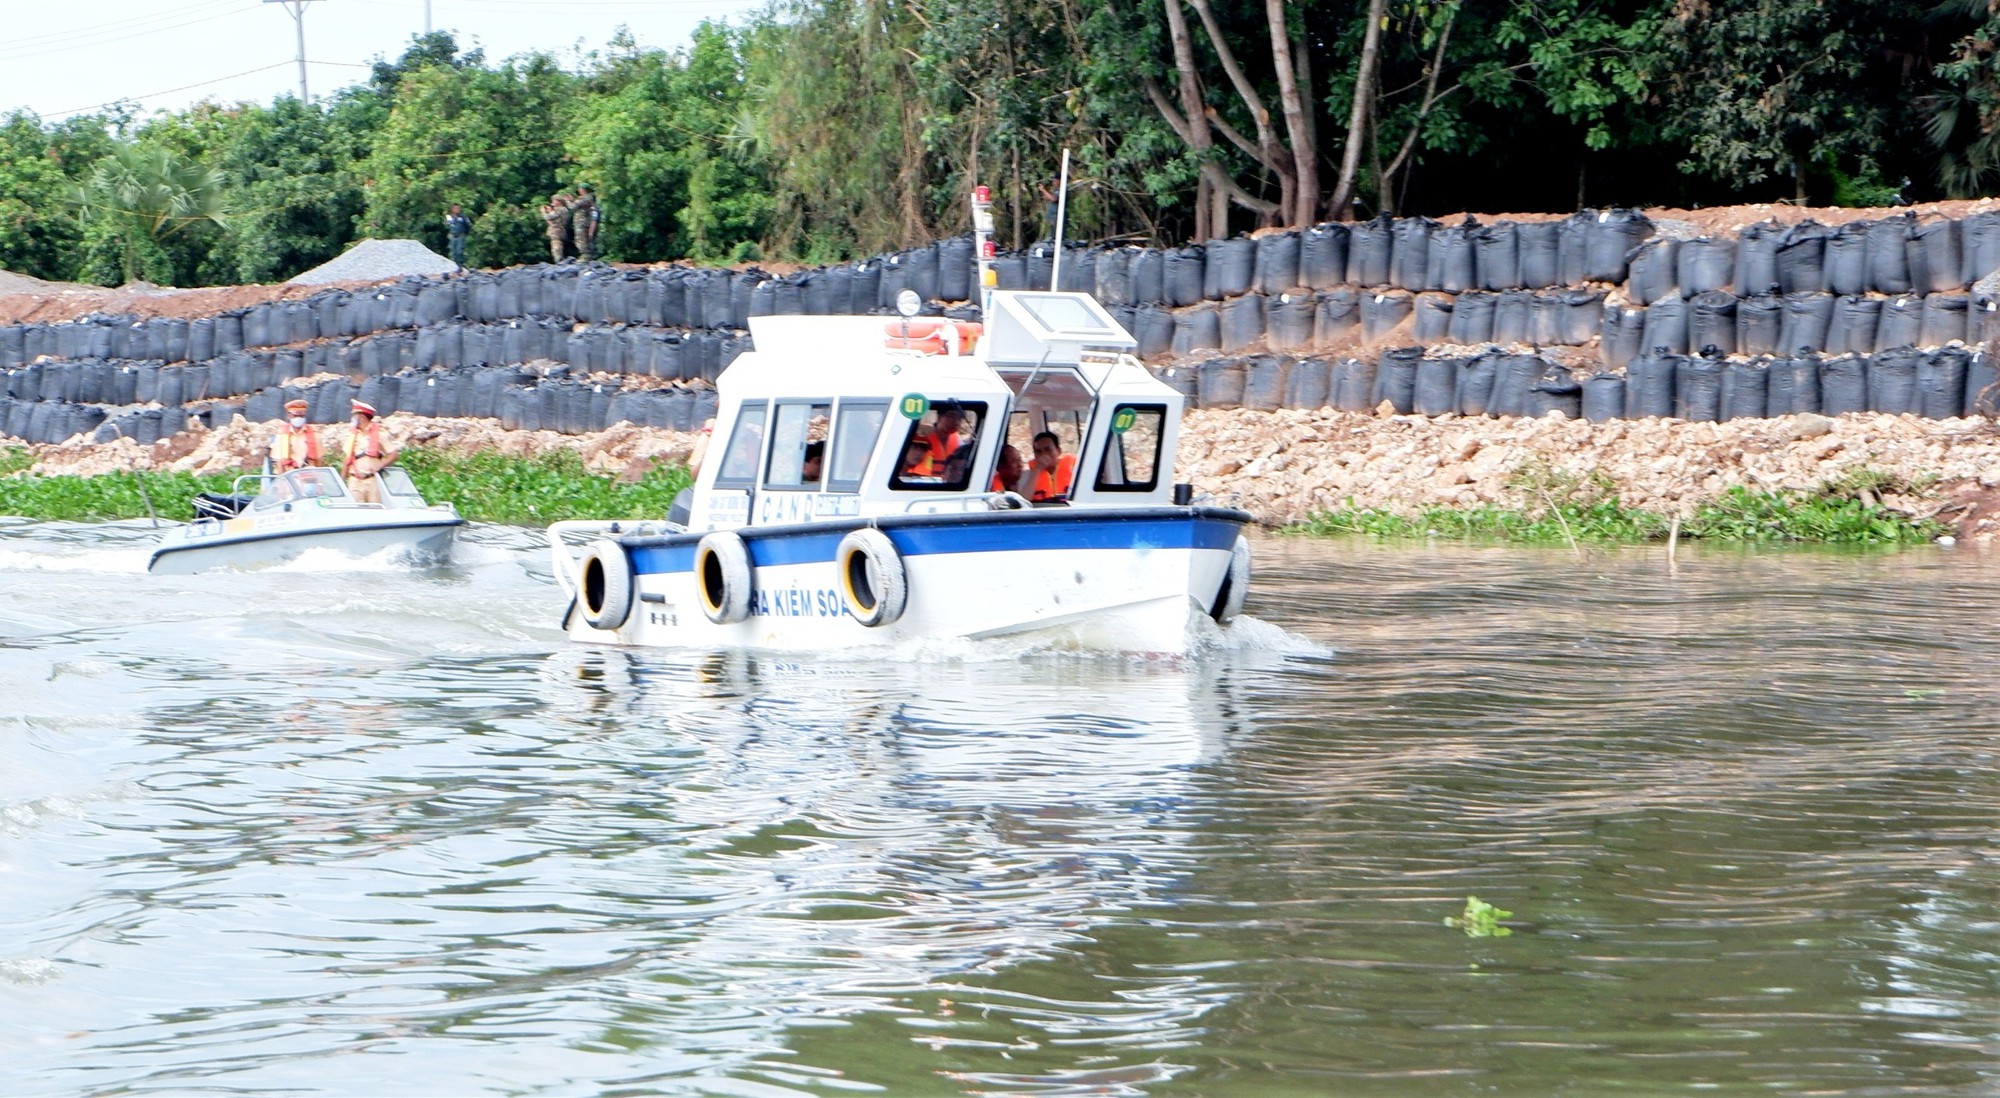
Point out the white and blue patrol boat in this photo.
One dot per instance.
(835, 507)
(305, 509)
(852, 493)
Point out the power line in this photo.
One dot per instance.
(95, 39)
(169, 91)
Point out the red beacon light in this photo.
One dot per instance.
(987, 250)
(981, 194)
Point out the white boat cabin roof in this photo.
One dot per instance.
(840, 417)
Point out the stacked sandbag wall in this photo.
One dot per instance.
(1431, 317)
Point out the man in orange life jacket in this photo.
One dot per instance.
(366, 455)
(944, 438)
(1049, 474)
(296, 445)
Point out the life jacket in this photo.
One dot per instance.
(372, 437)
(1050, 487)
(942, 447)
(294, 447)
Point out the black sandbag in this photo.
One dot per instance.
(1450, 265)
(1371, 249)
(1760, 322)
(1042, 267)
(667, 359)
(1433, 317)
(1943, 319)
(1079, 270)
(1336, 317)
(1982, 385)
(745, 284)
(1242, 322)
(1801, 258)
(1436, 389)
(1354, 384)
(1231, 267)
(1381, 312)
(1666, 325)
(1980, 245)
(1745, 386)
(957, 268)
(1471, 318)
(1580, 316)
(1221, 383)
(257, 326)
(1901, 323)
(1843, 384)
(1475, 383)
(1545, 318)
(865, 284)
(1705, 264)
(1621, 335)
(1396, 378)
(1538, 247)
(1781, 386)
(229, 332)
(1653, 270)
(1757, 258)
(1114, 277)
(1603, 397)
(1936, 256)
(1197, 328)
(1289, 321)
(1264, 382)
(1153, 328)
(1698, 389)
(1147, 279)
(1941, 383)
(1613, 235)
(13, 346)
(788, 296)
(1852, 329)
(1309, 384)
(1889, 254)
(1712, 321)
(1183, 275)
(1555, 390)
(1513, 316)
(764, 298)
(1277, 267)
(1847, 269)
(1892, 380)
(1807, 317)
(1410, 256)
(1514, 379)
(1323, 256)
(1496, 256)
(923, 267)
(827, 291)
(1573, 248)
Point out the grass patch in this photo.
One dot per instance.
(1570, 508)
(515, 491)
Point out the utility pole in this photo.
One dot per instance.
(298, 10)
(427, 17)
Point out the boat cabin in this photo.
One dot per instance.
(840, 417)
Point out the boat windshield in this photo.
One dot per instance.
(312, 482)
(397, 485)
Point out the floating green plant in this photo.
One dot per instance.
(1480, 919)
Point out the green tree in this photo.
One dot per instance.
(139, 198)
(40, 232)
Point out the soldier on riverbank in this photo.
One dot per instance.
(556, 215)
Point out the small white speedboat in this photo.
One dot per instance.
(853, 494)
(306, 509)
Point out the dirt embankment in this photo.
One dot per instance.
(1283, 466)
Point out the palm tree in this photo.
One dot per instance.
(148, 195)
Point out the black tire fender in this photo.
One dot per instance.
(604, 585)
(874, 586)
(722, 576)
(1235, 584)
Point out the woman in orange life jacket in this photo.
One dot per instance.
(296, 445)
(366, 455)
(1049, 474)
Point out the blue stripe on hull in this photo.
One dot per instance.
(914, 537)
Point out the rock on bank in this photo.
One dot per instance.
(1283, 466)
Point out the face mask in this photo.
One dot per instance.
(298, 421)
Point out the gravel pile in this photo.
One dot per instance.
(377, 261)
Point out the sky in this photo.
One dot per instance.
(63, 59)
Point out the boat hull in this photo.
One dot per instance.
(1101, 579)
(421, 539)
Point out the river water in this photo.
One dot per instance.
(349, 829)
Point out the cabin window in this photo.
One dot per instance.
(939, 450)
(1132, 449)
(746, 445)
(854, 435)
(798, 446)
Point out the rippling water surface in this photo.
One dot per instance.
(345, 829)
